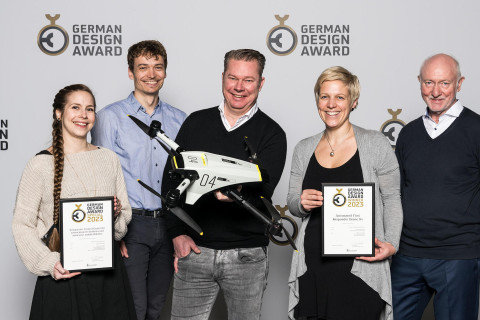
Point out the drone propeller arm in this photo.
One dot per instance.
(156, 131)
(238, 198)
(179, 212)
(169, 142)
(173, 196)
(275, 227)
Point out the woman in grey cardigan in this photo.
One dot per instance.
(342, 288)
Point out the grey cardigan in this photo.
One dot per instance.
(379, 165)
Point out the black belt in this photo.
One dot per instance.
(142, 212)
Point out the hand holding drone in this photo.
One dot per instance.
(204, 172)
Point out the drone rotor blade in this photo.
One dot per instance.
(289, 237)
(179, 212)
(142, 125)
(271, 209)
(146, 186)
(277, 218)
(182, 215)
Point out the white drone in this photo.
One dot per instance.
(204, 172)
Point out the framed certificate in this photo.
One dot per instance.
(86, 234)
(348, 222)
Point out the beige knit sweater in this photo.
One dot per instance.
(96, 173)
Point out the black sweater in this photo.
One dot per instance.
(227, 225)
(441, 189)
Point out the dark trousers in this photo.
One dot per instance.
(454, 282)
(149, 265)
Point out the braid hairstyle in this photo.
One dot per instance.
(58, 157)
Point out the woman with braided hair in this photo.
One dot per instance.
(71, 168)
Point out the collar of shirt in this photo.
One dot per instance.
(136, 107)
(141, 158)
(240, 120)
(435, 129)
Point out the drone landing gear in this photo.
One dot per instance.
(274, 225)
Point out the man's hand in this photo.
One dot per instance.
(383, 250)
(311, 199)
(221, 197)
(123, 249)
(183, 245)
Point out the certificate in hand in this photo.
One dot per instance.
(348, 219)
(86, 233)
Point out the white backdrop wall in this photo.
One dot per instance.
(387, 41)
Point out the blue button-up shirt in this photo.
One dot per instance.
(141, 157)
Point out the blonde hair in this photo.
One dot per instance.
(341, 74)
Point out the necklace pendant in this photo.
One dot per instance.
(332, 154)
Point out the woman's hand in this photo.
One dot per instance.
(123, 249)
(117, 206)
(311, 199)
(61, 274)
(383, 250)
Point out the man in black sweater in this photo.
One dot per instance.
(439, 158)
(232, 253)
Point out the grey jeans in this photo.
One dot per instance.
(240, 273)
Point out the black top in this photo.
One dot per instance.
(227, 225)
(328, 290)
(440, 188)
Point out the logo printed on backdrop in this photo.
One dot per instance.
(391, 128)
(87, 39)
(282, 40)
(315, 39)
(290, 225)
(52, 39)
(3, 134)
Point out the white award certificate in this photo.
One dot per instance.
(86, 233)
(348, 219)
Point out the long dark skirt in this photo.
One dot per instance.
(96, 295)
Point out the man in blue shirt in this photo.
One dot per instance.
(147, 250)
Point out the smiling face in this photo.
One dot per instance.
(241, 84)
(148, 75)
(334, 105)
(78, 116)
(439, 84)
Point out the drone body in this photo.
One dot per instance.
(213, 172)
